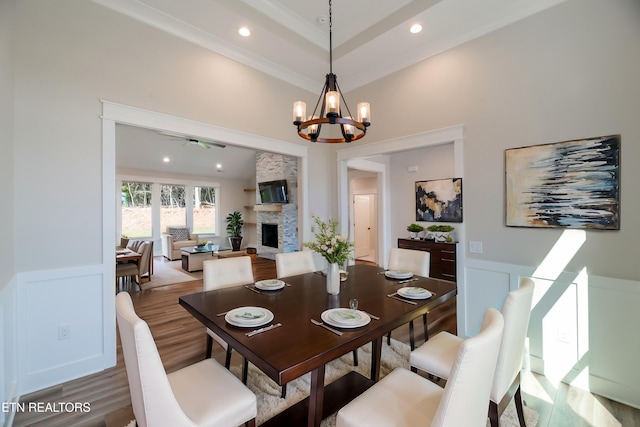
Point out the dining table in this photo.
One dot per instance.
(123, 254)
(299, 346)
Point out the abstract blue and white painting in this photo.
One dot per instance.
(571, 184)
(439, 200)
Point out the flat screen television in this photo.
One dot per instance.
(273, 191)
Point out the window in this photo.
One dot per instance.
(149, 207)
(204, 210)
(136, 209)
(172, 206)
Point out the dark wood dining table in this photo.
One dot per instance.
(298, 346)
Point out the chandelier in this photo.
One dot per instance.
(330, 110)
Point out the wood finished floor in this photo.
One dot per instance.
(181, 341)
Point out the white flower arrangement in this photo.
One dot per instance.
(331, 245)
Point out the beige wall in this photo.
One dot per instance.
(70, 55)
(8, 359)
(433, 163)
(566, 73)
(518, 86)
(6, 142)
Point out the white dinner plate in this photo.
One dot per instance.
(414, 293)
(345, 318)
(398, 274)
(270, 284)
(248, 317)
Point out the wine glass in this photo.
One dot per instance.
(353, 304)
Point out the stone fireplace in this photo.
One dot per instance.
(271, 167)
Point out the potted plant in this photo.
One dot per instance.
(234, 228)
(413, 230)
(441, 233)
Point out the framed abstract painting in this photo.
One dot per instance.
(439, 200)
(570, 184)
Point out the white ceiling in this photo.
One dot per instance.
(371, 39)
(290, 43)
(139, 149)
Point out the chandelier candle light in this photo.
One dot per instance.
(330, 111)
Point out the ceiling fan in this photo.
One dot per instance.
(203, 143)
(199, 142)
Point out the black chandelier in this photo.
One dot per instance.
(330, 111)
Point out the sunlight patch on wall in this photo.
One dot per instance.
(582, 282)
(557, 259)
(562, 303)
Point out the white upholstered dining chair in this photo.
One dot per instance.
(225, 273)
(404, 398)
(417, 262)
(294, 263)
(437, 355)
(202, 394)
(411, 260)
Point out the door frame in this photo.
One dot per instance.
(362, 157)
(114, 113)
(374, 239)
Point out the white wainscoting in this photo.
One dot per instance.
(8, 350)
(80, 299)
(582, 329)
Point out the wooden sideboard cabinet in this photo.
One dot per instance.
(442, 258)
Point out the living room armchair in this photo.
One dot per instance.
(175, 239)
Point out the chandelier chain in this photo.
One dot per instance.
(332, 107)
(330, 41)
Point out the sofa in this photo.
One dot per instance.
(175, 239)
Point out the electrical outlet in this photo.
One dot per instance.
(475, 247)
(64, 332)
(564, 336)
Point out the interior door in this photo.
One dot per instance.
(363, 205)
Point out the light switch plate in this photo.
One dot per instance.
(475, 247)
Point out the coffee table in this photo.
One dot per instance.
(193, 257)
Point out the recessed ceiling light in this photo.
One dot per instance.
(415, 28)
(166, 160)
(244, 32)
(219, 166)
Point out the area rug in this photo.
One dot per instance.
(169, 273)
(397, 355)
